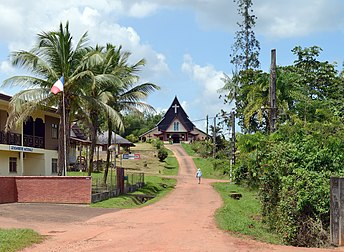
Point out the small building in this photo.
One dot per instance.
(30, 149)
(175, 126)
(115, 140)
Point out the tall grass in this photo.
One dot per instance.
(188, 149)
(243, 217)
(207, 167)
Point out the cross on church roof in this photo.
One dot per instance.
(175, 106)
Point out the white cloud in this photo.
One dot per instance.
(21, 21)
(293, 18)
(142, 9)
(210, 81)
(89, 17)
(6, 67)
(276, 18)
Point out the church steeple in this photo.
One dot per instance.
(175, 111)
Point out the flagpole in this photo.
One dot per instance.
(64, 134)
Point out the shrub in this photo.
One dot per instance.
(132, 138)
(292, 169)
(162, 154)
(157, 143)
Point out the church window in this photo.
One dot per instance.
(176, 126)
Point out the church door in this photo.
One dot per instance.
(175, 138)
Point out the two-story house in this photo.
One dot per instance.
(32, 148)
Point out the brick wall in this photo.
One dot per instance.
(50, 189)
(8, 190)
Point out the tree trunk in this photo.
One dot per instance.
(94, 130)
(108, 152)
(63, 134)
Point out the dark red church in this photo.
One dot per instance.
(175, 126)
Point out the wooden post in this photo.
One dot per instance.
(214, 137)
(233, 137)
(273, 107)
(207, 128)
(337, 211)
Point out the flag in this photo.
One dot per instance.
(58, 86)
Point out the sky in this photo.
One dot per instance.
(186, 43)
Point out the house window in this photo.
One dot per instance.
(54, 165)
(13, 164)
(54, 131)
(176, 126)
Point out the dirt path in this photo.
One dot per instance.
(182, 221)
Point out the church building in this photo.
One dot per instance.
(175, 126)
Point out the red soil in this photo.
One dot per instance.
(182, 221)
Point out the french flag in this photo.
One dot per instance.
(58, 86)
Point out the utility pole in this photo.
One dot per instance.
(214, 137)
(273, 107)
(207, 128)
(233, 137)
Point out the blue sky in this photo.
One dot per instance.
(186, 43)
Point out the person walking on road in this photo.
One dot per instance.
(199, 175)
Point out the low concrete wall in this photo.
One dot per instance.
(8, 190)
(49, 189)
(96, 197)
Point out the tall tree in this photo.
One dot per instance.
(53, 56)
(246, 47)
(117, 87)
(318, 83)
(244, 57)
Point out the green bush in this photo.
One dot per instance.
(292, 169)
(304, 208)
(162, 154)
(157, 143)
(203, 148)
(132, 138)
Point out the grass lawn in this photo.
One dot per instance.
(17, 239)
(208, 171)
(242, 217)
(153, 185)
(171, 165)
(189, 151)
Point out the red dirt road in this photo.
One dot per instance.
(182, 221)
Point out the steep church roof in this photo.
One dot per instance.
(175, 111)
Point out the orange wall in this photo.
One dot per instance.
(52, 189)
(8, 190)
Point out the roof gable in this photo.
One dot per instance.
(175, 111)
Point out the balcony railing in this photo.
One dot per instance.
(33, 141)
(11, 138)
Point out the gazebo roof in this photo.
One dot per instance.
(116, 139)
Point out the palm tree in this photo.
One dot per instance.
(52, 57)
(109, 92)
(128, 97)
(95, 95)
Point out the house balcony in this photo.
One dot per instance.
(11, 138)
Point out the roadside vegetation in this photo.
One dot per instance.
(156, 186)
(17, 239)
(243, 217)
